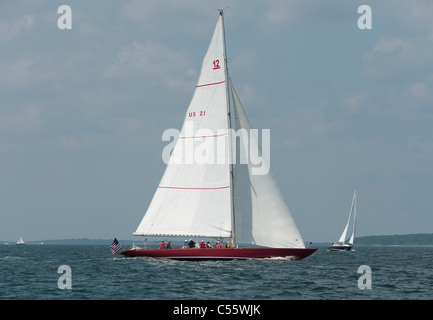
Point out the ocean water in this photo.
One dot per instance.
(31, 272)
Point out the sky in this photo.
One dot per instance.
(82, 110)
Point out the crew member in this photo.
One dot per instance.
(202, 245)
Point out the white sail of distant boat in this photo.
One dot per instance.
(343, 243)
(20, 241)
(221, 198)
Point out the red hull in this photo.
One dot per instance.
(222, 253)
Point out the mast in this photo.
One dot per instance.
(229, 128)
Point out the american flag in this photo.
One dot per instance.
(115, 246)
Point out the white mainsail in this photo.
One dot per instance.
(194, 195)
(262, 215)
(343, 236)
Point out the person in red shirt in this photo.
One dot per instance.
(162, 245)
(218, 245)
(202, 244)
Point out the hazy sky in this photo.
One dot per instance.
(82, 111)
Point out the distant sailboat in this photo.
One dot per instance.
(20, 241)
(218, 200)
(343, 244)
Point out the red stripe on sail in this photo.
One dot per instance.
(181, 188)
(209, 84)
(213, 136)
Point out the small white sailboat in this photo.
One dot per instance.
(343, 244)
(20, 241)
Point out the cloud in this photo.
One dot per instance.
(18, 126)
(388, 57)
(304, 125)
(287, 13)
(355, 102)
(278, 11)
(27, 119)
(169, 16)
(421, 146)
(29, 69)
(22, 72)
(420, 11)
(68, 141)
(152, 60)
(10, 29)
(140, 10)
(422, 89)
(406, 49)
(396, 46)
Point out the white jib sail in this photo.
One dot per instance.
(352, 238)
(262, 215)
(344, 234)
(194, 194)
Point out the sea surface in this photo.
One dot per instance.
(89, 272)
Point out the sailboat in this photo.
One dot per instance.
(224, 198)
(343, 244)
(20, 241)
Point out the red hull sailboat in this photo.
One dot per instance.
(222, 253)
(210, 189)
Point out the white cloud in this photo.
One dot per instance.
(397, 46)
(407, 47)
(68, 141)
(418, 89)
(278, 11)
(422, 89)
(304, 125)
(33, 69)
(10, 29)
(420, 17)
(18, 73)
(173, 16)
(421, 147)
(355, 102)
(244, 61)
(152, 60)
(398, 56)
(140, 10)
(27, 119)
(286, 13)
